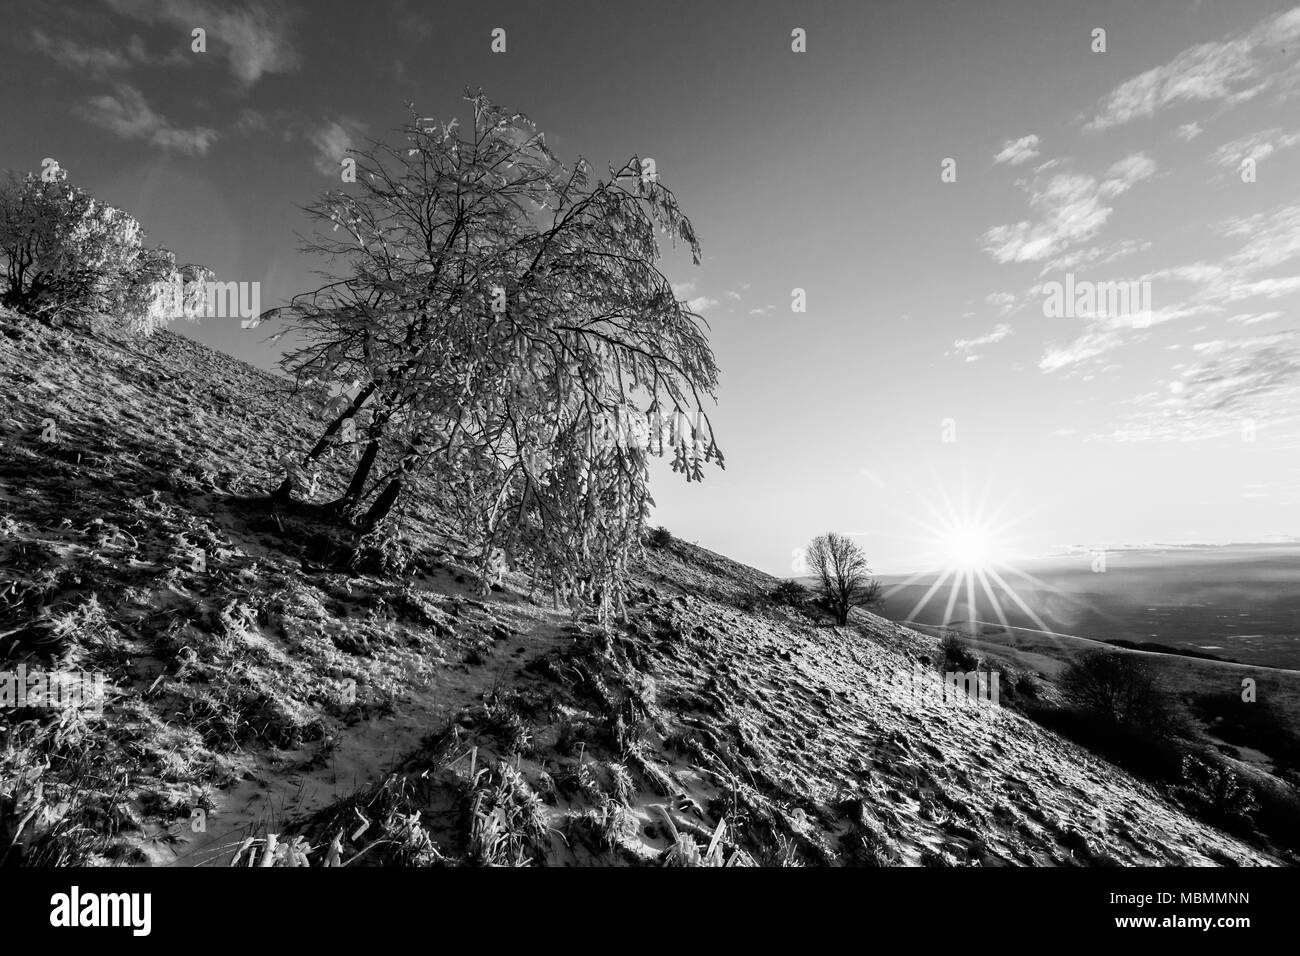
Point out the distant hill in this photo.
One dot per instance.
(1236, 601)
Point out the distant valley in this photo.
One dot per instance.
(1237, 602)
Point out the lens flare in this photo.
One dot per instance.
(969, 546)
(969, 564)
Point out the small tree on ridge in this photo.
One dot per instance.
(843, 579)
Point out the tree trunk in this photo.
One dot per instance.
(282, 493)
(382, 505)
(357, 485)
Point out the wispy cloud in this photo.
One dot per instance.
(1087, 346)
(1256, 146)
(254, 40)
(96, 60)
(1004, 302)
(1253, 318)
(1252, 380)
(127, 114)
(700, 303)
(332, 140)
(1271, 238)
(1070, 208)
(1204, 289)
(969, 347)
(1125, 174)
(696, 303)
(1226, 72)
(1017, 151)
(1096, 255)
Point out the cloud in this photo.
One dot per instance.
(695, 303)
(1272, 238)
(1228, 72)
(733, 295)
(1017, 151)
(1069, 210)
(98, 61)
(1069, 207)
(127, 115)
(1273, 288)
(1004, 302)
(92, 59)
(1193, 272)
(332, 140)
(1189, 131)
(1127, 173)
(1087, 346)
(1270, 241)
(1097, 255)
(1247, 318)
(1232, 382)
(966, 346)
(1256, 146)
(413, 25)
(254, 40)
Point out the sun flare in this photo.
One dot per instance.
(968, 546)
(971, 561)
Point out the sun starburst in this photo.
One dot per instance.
(970, 553)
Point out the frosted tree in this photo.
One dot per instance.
(503, 332)
(68, 255)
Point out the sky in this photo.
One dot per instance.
(923, 171)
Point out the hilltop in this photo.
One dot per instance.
(365, 713)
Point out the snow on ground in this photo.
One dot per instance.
(269, 688)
